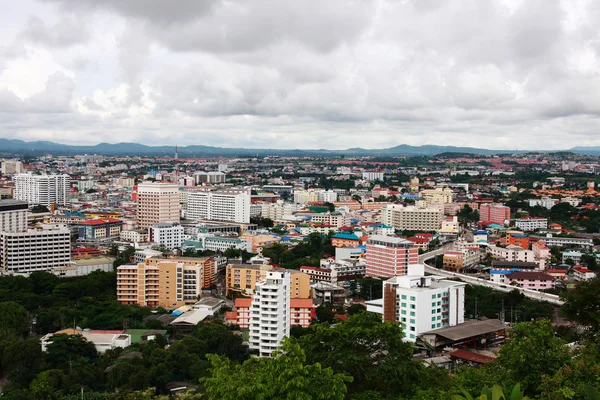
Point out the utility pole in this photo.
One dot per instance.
(476, 307)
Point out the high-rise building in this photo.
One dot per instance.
(43, 189)
(494, 214)
(161, 282)
(34, 250)
(230, 205)
(157, 202)
(11, 167)
(13, 215)
(389, 256)
(270, 313)
(423, 303)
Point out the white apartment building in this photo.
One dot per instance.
(412, 218)
(13, 215)
(423, 303)
(134, 236)
(328, 196)
(209, 177)
(43, 189)
(529, 224)
(232, 205)
(168, 234)
(545, 202)
(437, 195)
(372, 175)
(277, 210)
(157, 202)
(11, 167)
(34, 250)
(270, 313)
(512, 253)
(305, 196)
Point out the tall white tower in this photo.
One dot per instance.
(270, 313)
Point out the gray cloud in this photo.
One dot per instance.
(68, 31)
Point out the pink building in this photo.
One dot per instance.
(302, 312)
(493, 213)
(389, 256)
(531, 280)
(241, 315)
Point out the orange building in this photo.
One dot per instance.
(345, 240)
(302, 312)
(162, 282)
(208, 264)
(518, 239)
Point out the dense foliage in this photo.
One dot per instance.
(357, 358)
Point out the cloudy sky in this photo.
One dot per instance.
(505, 74)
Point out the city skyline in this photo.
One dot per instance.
(371, 74)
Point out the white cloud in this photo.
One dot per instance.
(312, 74)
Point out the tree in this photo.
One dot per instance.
(13, 318)
(532, 352)
(65, 349)
(356, 308)
(37, 209)
(370, 351)
(495, 393)
(582, 305)
(285, 376)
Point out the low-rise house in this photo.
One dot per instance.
(103, 340)
(583, 274)
(531, 280)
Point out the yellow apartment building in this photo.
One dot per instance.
(168, 283)
(243, 278)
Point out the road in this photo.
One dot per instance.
(532, 294)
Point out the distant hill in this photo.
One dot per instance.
(589, 151)
(12, 146)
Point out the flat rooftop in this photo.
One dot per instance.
(468, 329)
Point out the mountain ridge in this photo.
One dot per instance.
(15, 146)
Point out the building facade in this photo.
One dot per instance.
(167, 234)
(270, 313)
(13, 215)
(43, 189)
(156, 203)
(34, 250)
(100, 229)
(231, 206)
(494, 214)
(422, 303)
(530, 224)
(165, 283)
(389, 256)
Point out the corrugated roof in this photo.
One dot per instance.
(470, 356)
(243, 302)
(468, 329)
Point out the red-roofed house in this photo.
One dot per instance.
(557, 273)
(94, 229)
(583, 274)
(531, 280)
(241, 316)
(302, 312)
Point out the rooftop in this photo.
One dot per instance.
(468, 329)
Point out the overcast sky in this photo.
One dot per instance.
(302, 73)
